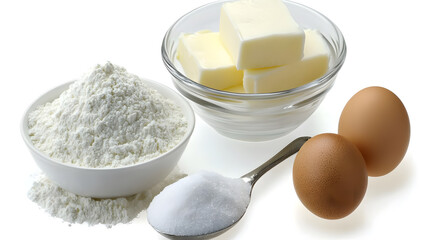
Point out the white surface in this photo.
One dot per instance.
(46, 43)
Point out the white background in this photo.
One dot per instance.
(46, 43)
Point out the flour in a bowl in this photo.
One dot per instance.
(109, 118)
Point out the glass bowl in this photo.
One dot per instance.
(253, 116)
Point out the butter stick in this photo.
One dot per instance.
(313, 65)
(205, 60)
(260, 33)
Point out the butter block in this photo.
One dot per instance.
(205, 60)
(260, 33)
(236, 89)
(313, 65)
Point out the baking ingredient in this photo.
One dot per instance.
(108, 118)
(313, 65)
(205, 60)
(260, 33)
(77, 209)
(200, 203)
(259, 38)
(329, 176)
(376, 121)
(236, 89)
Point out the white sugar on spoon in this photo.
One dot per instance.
(205, 204)
(201, 203)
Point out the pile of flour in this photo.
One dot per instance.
(77, 209)
(108, 118)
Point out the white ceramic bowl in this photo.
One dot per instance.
(110, 182)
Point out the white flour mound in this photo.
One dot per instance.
(73, 208)
(109, 118)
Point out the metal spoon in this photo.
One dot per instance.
(251, 178)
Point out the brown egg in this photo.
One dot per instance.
(376, 121)
(329, 176)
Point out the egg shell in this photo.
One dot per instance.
(329, 176)
(376, 121)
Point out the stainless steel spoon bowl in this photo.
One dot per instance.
(250, 178)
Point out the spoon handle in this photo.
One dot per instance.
(286, 152)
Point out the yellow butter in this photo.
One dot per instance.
(236, 89)
(205, 60)
(313, 65)
(260, 33)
